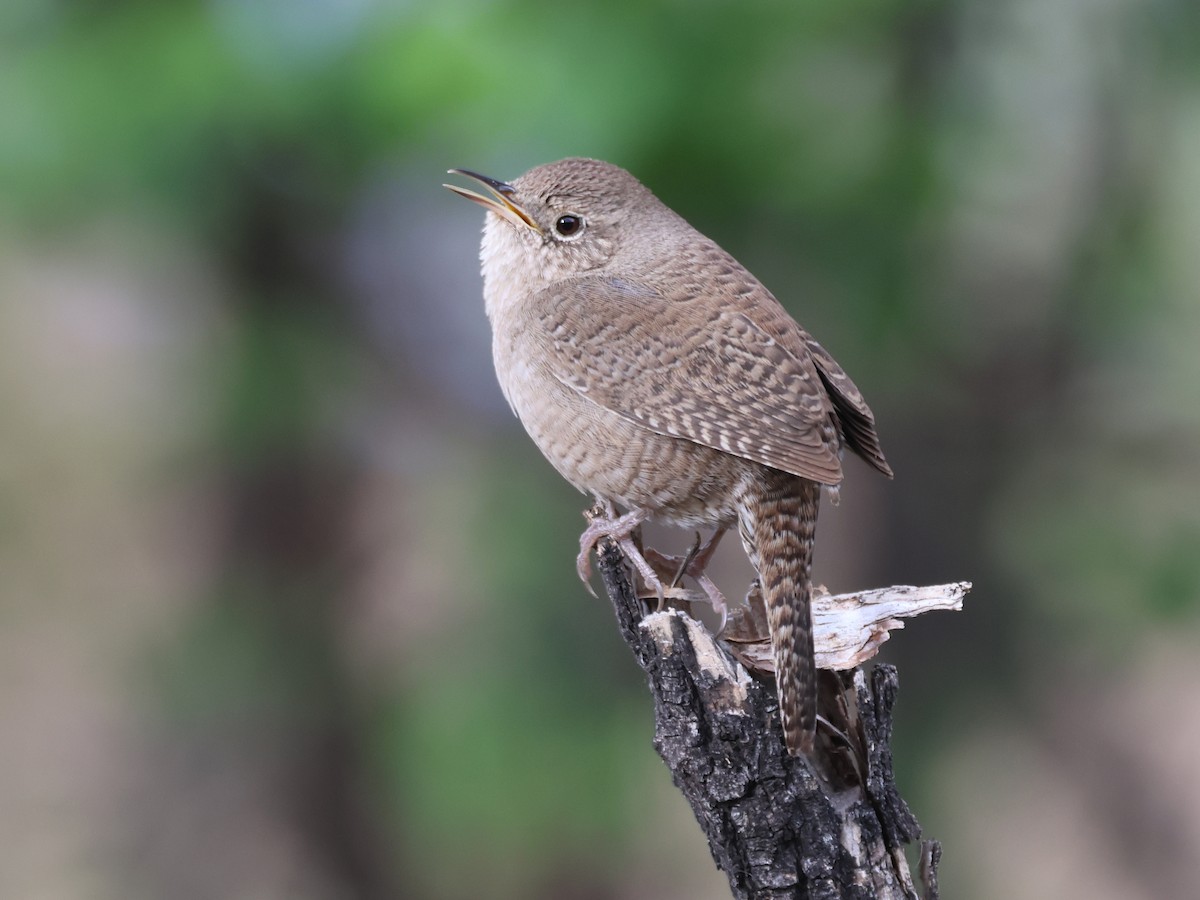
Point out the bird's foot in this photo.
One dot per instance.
(693, 563)
(603, 522)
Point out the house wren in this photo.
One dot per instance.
(654, 372)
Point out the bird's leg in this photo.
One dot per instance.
(695, 563)
(604, 523)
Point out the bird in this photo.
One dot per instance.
(658, 375)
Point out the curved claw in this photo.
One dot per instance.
(583, 567)
(718, 601)
(686, 564)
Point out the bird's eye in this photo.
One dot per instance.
(568, 225)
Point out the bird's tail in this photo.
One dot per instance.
(777, 517)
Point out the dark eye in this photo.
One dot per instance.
(568, 225)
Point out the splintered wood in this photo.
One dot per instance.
(848, 629)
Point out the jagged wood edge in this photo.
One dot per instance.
(775, 827)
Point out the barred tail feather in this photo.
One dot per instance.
(778, 518)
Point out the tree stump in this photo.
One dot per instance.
(781, 826)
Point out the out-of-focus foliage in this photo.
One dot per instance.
(290, 608)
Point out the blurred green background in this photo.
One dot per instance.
(289, 607)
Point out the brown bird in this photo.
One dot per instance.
(654, 372)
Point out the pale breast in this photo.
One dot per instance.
(602, 453)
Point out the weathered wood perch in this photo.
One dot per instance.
(780, 826)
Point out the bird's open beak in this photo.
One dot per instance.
(501, 202)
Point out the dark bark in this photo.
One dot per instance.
(778, 826)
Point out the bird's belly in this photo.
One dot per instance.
(603, 453)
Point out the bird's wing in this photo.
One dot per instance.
(854, 416)
(695, 368)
